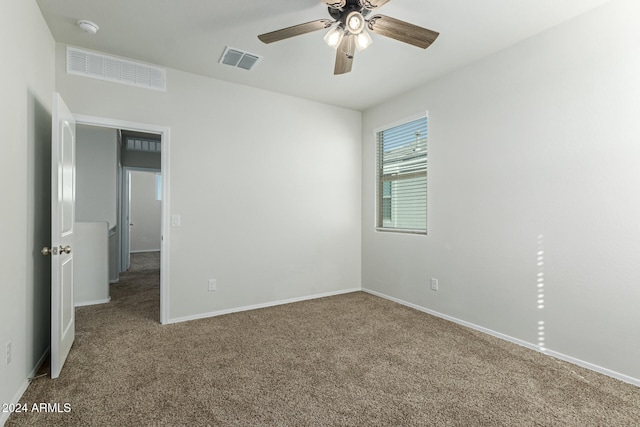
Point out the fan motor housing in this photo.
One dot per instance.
(350, 6)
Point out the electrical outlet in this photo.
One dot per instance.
(212, 284)
(8, 359)
(434, 284)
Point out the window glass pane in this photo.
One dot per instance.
(136, 144)
(386, 202)
(402, 177)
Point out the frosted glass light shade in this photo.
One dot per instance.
(363, 40)
(334, 37)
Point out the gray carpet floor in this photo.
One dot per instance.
(144, 261)
(348, 360)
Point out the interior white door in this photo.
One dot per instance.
(63, 170)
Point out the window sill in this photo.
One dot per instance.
(401, 230)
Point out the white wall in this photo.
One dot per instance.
(91, 263)
(267, 187)
(532, 149)
(145, 213)
(96, 174)
(26, 84)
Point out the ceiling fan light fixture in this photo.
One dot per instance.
(355, 22)
(349, 27)
(334, 37)
(363, 41)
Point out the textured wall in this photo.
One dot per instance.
(27, 85)
(267, 187)
(96, 169)
(533, 174)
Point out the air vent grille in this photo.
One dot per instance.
(239, 58)
(109, 68)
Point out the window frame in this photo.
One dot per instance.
(379, 200)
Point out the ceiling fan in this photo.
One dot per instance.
(348, 30)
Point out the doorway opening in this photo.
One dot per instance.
(141, 210)
(129, 163)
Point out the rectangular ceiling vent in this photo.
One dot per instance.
(239, 58)
(112, 69)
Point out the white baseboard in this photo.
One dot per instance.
(557, 355)
(4, 416)
(262, 305)
(95, 302)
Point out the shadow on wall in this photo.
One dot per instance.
(38, 178)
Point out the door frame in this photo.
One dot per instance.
(125, 213)
(164, 132)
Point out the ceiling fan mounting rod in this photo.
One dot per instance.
(355, 4)
(350, 6)
(345, 4)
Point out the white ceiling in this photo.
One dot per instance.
(191, 35)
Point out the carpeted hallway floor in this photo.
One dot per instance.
(348, 360)
(144, 262)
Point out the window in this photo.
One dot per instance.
(402, 177)
(142, 144)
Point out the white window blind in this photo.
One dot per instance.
(402, 177)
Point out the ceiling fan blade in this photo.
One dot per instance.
(335, 4)
(296, 30)
(402, 31)
(344, 55)
(372, 4)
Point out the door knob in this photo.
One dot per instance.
(66, 249)
(50, 251)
